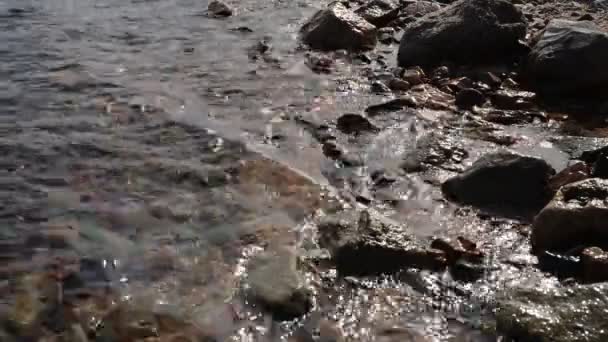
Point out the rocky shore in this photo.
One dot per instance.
(466, 183)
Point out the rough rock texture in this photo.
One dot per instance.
(379, 12)
(276, 283)
(503, 180)
(569, 57)
(365, 243)
(595, 264)
(574, 314)
(434, 149)
(219, 9)
(466, 31)
(576, 216)
(337, 28)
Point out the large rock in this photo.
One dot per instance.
(576, 216)
(569, 57)
(276, 283)
(505, 181)
(466, 31)
(337, 28)
(364, 243)
(575, 314)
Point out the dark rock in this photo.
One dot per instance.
(600, 167)
(420, 8)
(276, 283)
(379, 12)
(354, 123)
(379, 88)
(513, 117)
(413, 76)
(573, 173)
(440, 72)
(391, 106)
(585, 17)
(467, 31)
(320, 64)
(365, 243)
(557, 66)
(513, 100)
(218, 8)
(469, 98)
(399, 84)
(434, 149)
(468, 271)
(490, 79)
(594, 261)
(576, 216)
(503, 181)
(561, 314)
(338, 28)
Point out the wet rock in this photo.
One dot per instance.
(392, 106)
(320, 63)
(469, 98)
(354, 123)
(420, 8)
(275, 282)
(594, 261)
(600, 167)
(386, 35)
(490, 79)
(513, 100)
(379, 12)
(337, 28)
(365, 243)
(413, 76)
(379, 88)
(434, 149)
(576, 216)
(556, 66)
(513, 117)
(399, 84)
(570, 314)
(219, 9)
(465, 260)
(573, 173)
(503, 181)
(466, 31)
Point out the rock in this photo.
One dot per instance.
(338, 28)
(490, 79)
(557, 66)
(513, 100)
(420, 8)
(379, 88)
(595, 264)
(573, 173)
(469, 98)
(391, 106)
(354, 123)
(513, 117)
(600, 167)
(413, 76)
(365, 243)
(504, 181)
(276, 283)
(399, 84)
(379, 12)
(570, 314)
(434, 149)
(465, 32)
(219, 9)
(576, 216)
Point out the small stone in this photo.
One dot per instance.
(490, 79)
(399, 84)
(354, 123)
(379, 12)
(413, 76)
(337, 28)
(469, 98)
(586, 16)
(219, 9)
(595, 264)
(379, 88)
(440, 72)
(513, 100)
(392, 105)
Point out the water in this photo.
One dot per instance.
(144, 147)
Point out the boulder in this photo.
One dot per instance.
(576, 216)
(505, 181)
(569, 57)
(468, 98)
(366, 243)
(571, 314)
(337, 28)
(379, 12)
(275, 282)
(467, 31)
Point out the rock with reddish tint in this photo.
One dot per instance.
(557, 66)
(505, 182)
(576, 216)
(573, 173)
(420, 8)
(465, 32)
(469, 98)
(379, 12)
(336, 28)
(595, 264)
(366, 243)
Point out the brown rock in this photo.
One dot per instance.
(573, 173)
(595, 264)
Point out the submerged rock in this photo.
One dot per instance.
(504, 181)
(576, 216)
(337, 28)
(365, 243)
(276, 283)
(573, 314)
(558, 65)
(466, 31)
(434, 149)
(379, 12)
